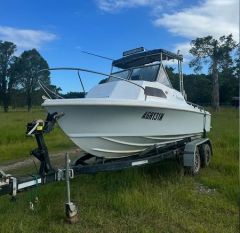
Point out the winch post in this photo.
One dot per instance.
(41, 153)
(70, 207)
(38, 128)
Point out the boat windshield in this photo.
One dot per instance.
(121, 74)
(146, 73)
(150, 73)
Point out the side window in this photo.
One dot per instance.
(154, 92)
(163, 77)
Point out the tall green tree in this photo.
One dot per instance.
(7, 59)
(27, 67)
(236, 66)
(217, 54)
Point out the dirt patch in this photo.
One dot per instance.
(204, 189)
(57, 159)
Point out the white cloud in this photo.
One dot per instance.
(25, 38)
(115, 5)
(212, 17)
(112, 6)
(184, 50)
(209, 17)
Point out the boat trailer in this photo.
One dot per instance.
(191, 155)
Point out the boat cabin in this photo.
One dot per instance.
(141, 68)
(139, 64)
(140, 75)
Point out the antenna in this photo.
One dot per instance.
(96, 55)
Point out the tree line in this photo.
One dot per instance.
(19, 75)
(199, 87)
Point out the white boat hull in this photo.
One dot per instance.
(115, 147)
(120, 129)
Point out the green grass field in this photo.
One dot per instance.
(145, 199)
(14, 145)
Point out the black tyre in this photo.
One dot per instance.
(197, 163)
(194, 170)
(206, 154)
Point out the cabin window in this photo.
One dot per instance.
(163, 77)
(146, 73)
(151, 91)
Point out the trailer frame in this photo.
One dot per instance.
(188, 151)
(184, 151)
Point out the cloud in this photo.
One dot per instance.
(26, 38)
(184, 50)
(116, 5)
(208, 17)
(112, 6)
(212, 17)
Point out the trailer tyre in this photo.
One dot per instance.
(194, 170)
(197, 163)
(205, 153)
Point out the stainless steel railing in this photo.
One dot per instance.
(48, 91)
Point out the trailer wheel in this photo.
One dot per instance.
(205, 153)
(194, 170)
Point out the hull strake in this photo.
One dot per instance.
(115, 147)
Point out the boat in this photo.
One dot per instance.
(133, 109)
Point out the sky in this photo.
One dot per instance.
(61, 29)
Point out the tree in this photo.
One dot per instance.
(73, 95)
(7, 59)
(216, 53)
(27, 70)
(236, 66)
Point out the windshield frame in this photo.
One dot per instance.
(130, 70)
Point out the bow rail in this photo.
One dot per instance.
(47, 90)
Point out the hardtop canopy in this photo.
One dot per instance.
(146, 57)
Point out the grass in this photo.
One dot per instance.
(145, 199)
(14, 145)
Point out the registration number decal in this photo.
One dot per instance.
(155, 116)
